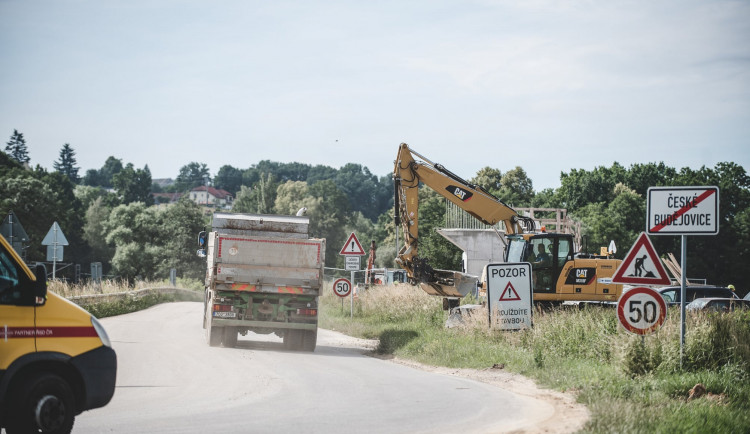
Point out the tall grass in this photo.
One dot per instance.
(125, 297)
(629, 383)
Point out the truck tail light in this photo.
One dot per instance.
(307, 312)
(222, 307)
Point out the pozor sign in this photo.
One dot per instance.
(509, 295)
(683, 211)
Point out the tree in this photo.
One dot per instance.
(134, 185)
(180, 224)
(517, 188)
(491, 180)
(580, 187)
(191, 175)
(104, 176)
(328, 208)
(229, 179)
(290, 197)
(97, 215)
(16, 148)
(433, 246)
(363, 190)
(67, 163)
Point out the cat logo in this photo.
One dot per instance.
(459, 192)
(581, 273)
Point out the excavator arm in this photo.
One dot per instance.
(408, 173)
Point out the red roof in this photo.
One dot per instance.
(215, 192)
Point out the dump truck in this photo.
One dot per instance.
(263, 275)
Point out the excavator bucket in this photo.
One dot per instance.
(450, 284)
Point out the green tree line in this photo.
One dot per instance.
(107, 214)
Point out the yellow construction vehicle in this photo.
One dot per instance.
(558, 272)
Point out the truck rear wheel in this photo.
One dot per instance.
(229, 337)
(309, 340)
(213, 335)
(293, 340)
(46, 404)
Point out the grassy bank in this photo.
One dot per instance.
(125, 298)
(628, 384)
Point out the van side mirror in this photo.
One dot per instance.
(40, 286)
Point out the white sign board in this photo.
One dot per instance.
(509, 296)
(352, 263)
(682, 211)
(55, 236)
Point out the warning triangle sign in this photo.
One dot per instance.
(641, 265)
(509, 294)
(352, 246)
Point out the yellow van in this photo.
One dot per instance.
(56, 360)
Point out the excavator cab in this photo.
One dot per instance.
(547, 253)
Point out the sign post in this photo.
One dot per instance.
(55, 240)
(509, 295)
(352, 251)
(683, 211)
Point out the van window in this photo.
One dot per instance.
(8, 279)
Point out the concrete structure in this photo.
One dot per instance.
(480, 247)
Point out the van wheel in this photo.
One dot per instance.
(46, 404)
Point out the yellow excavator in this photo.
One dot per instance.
(558, 273)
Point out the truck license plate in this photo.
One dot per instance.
(225, 314)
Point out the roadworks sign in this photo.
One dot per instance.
(509, 295)
(641, 265)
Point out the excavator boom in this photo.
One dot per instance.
(408, 173)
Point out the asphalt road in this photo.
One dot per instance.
(170, 381)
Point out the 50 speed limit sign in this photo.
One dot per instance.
(641, 310)
(342, 287)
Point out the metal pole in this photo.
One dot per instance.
(683, 285)
(54, 253)
(351, 298)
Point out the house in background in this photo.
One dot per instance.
(211, 197)
(166, 198)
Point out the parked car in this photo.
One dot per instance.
(671, 294)
(718, 304)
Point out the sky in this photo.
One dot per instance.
(549, 86)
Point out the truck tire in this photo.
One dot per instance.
(213, 335)
(293, 340)
(309, 340)
(45, 404)
(229, 337)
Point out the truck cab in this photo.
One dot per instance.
(56, 360)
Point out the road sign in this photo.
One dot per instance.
(342, 287)
(352, 247)
(641, 265)
(682, 211)
(641, 310)
(509, 295)
(55, 236)
(55, 253)
(352, 263)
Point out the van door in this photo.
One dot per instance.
(17, 328)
